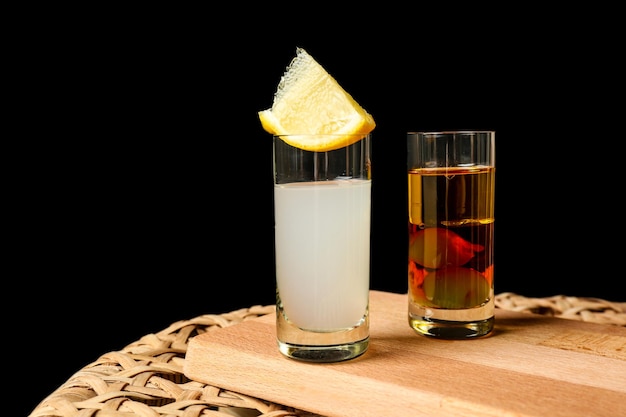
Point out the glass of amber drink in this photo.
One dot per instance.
(322, 212)
(451, 185)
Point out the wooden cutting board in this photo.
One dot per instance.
(531, 365)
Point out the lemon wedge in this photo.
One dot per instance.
(308, 101)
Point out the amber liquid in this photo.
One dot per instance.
(451, 237)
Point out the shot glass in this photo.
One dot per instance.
(322, 218)
(451, 184)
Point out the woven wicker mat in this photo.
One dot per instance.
(146, 377)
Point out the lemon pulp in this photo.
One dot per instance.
(309, 101)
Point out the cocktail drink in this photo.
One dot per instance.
(451, 185)
(322, 213)
(322, 206)
(322, 253)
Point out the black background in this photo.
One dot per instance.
(149, 196)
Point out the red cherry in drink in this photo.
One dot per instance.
(437, 247)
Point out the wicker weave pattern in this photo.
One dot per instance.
(146, 378)
(593, 310)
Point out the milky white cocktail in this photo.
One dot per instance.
(322, 217)
(321, 136)
(322, 232)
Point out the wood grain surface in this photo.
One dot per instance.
(531, 365)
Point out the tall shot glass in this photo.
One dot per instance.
(322, 218)
(451, 185)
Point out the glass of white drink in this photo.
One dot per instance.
(322, 212)
(322, 208)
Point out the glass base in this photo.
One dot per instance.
(443, 329)
(332, 345)
(322, 354)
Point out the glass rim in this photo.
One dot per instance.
(362, 135)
